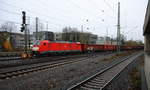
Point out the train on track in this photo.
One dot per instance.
(58, 47)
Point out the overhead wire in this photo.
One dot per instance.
(93, 4)
(4, 10)
(102, 19)
(11, 21)
(129, 31)
(37, 12)
(34, 12)
(18, 23)
(18, 13)
(12, 12)
(44, 5)
(87, 12)
(110, 7)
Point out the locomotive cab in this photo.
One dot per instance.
(40, 46)
(35, 48)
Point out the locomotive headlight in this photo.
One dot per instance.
(35, 49)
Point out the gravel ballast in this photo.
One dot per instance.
(58, 77)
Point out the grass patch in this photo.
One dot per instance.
(116, 56)
(135, 79)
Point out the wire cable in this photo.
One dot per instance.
(109, 6)
(34, 12)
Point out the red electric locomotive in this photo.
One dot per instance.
(51, 47)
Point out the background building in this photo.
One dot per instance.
(57, 36)
(17, 40)
(44, 35)
(106, 40)
(92, 39)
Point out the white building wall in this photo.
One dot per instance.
(106, 40)
(147, 59)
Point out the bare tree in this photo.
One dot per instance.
(8, 26)
(133, 42)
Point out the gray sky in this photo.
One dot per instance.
(101, 15)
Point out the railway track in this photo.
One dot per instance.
(100, 80)
(44, 66)
(9, 58)
(35, 60)
(41, 67)
(24, 71)
(9, 54)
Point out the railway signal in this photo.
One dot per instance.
(22, 28)
(24, 17)
(23, 21)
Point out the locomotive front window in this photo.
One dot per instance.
(37, 43)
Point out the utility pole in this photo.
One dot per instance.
(41, 34)
(107, 32)
(111, 39)
(107, 36)
(29, 39)
(36, 33)
(82, 28)
(118, 29)
(82, 34)
(47, 26)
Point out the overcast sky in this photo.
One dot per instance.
(100, 16)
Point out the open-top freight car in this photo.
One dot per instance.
(96, 47)
(139, 47)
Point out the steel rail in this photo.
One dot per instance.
(15, 73)
(83, 84)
